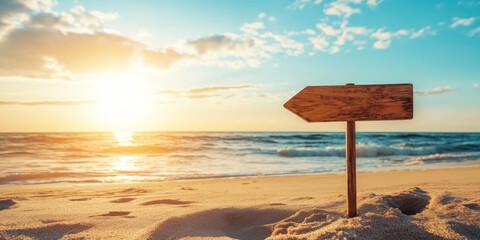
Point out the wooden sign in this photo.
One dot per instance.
(352, 103)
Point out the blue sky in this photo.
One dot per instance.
(231, 65)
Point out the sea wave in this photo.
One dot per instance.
(438, 157)
(363, 150)
(49, 175)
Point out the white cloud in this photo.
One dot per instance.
(476, 85)
(349, 33)
(252, 28)
(284, 43)
(262, 15)
(474, 32)
(328, 30)
(320, 43)
(423, 32)
(384, 39)
(373, 3)
(456, 22)
(337, 35)
(342, 8)
(208, 92)
(318, 2)
(437, 90)
(298, 4)
(304, 32)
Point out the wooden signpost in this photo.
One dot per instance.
(352, 103)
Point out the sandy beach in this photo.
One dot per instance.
(423, 204)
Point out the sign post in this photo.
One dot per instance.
(352, 103)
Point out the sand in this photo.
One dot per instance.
(423, 204)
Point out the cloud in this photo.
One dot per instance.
(320, 43)
(281, 43)
(298, 4)
(437, 90)
(474, 32)
(342, 8)
(476, 85)
(221, 43)
(208, 92)
(230, 50)
(31, 52)
(384, 38)
(331, 38)
(220, 88)
(456, 22)
(304, 32)
(252, 28)
(423, 32)
(373, 3)
(14, 12)
(328, 30)
(52, 44)
(47, 103)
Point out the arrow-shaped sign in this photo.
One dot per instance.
(352, 103)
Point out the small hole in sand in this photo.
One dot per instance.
(409, 203)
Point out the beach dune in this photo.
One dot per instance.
(420, 204)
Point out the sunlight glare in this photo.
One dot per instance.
(123, 100)
(125, 163)
(124, 138)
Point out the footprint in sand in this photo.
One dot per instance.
(250, 182)
(168, 202)
(114, 214)
(6, 204)
(122, 200)
(134, 190)
(79, 199)
(188, 188)
(301, 198)
(277, 204)
(472, 206)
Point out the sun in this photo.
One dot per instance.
(123, 100)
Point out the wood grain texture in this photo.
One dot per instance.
(353, 103)
(351, 169)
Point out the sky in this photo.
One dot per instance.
(214, 65)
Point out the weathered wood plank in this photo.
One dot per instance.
(353, 103)
(351, 169)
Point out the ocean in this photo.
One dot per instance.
(33, 158)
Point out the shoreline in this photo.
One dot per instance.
(249, 208)
(421, 167)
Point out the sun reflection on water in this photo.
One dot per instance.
(124, 163)
(124, 138)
